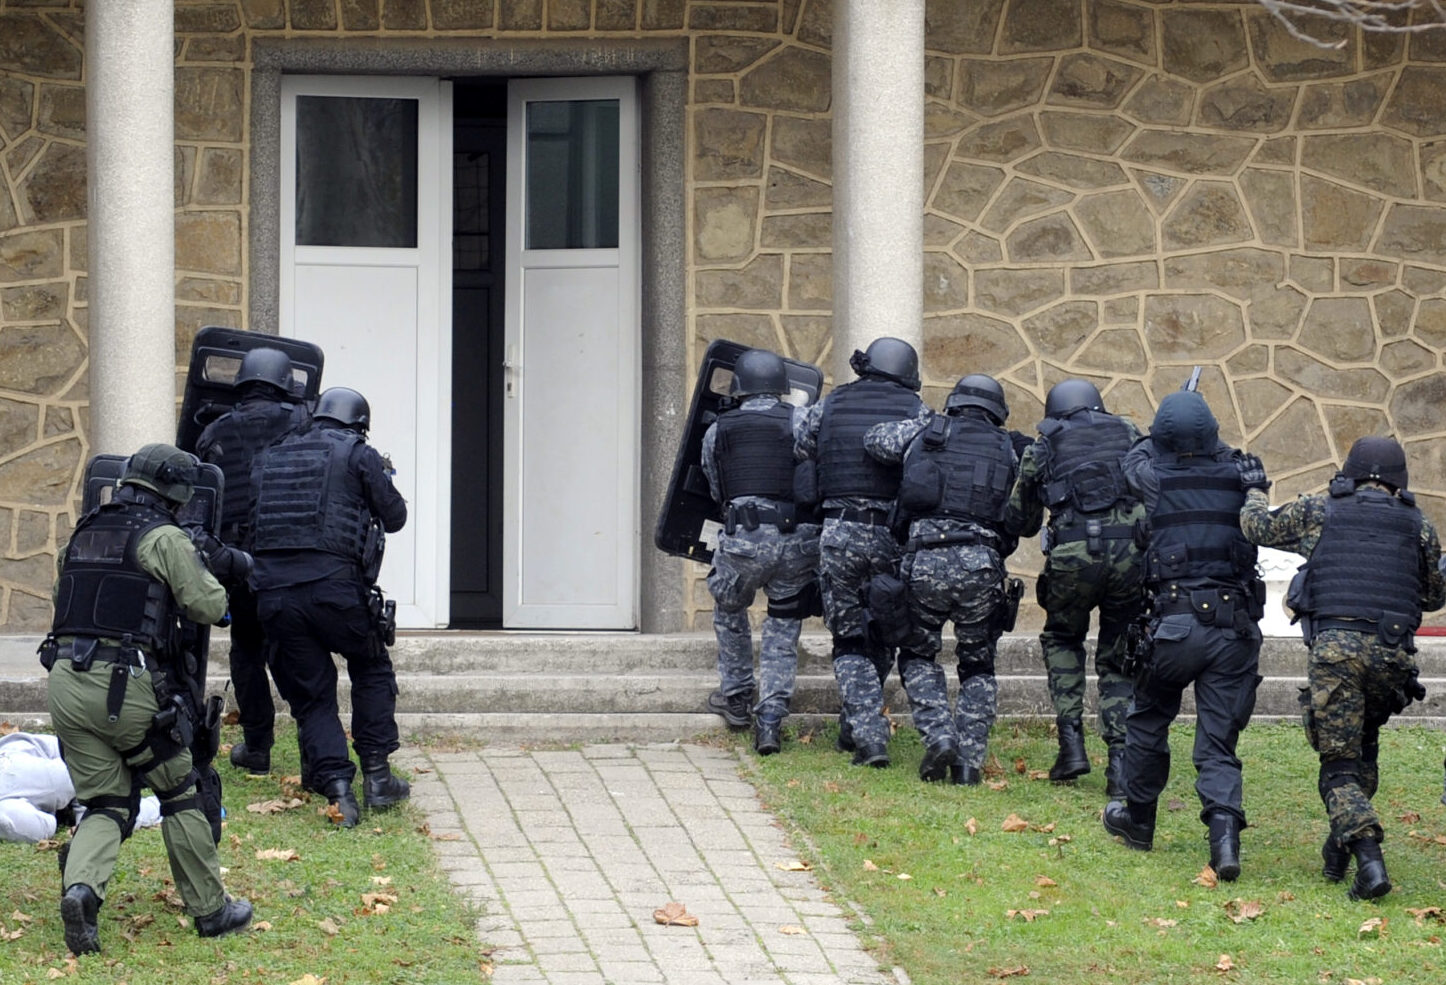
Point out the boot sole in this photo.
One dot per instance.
(80, 938)
(1123, 835)
(1069, 773)
(1371, 892)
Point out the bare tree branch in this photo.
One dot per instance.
(1377, 16)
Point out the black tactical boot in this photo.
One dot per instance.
(937, 760)
(1072, 760)
(252, 760)
(1115, 773)
(870, 754)
(380, 788)
(1335, 859)
(736, 709)
(1224, 838)
(234, 915)
(79, 907)
(338, 794)
(767, 736)
(965, 776)
(1135, 823)
(1371, 879)
(845, 740)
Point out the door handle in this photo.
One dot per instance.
(510, 370)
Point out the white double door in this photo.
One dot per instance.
(366, 270)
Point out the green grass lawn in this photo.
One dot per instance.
(1085, 908)
(366, 905)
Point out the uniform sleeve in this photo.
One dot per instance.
(889, 440)
(1433, 594)
(1024, 513)
(805, 432)
(1138, 466)
(710, 462)
(1283, 527)
(168, 554)
(383, 499)
(206, 449)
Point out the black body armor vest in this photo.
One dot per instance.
(844, 467)
(239, 436)
(307, 497)
(1082, 470)
(1366, 564)
(104, 591)
(755, 453)
(959, 468)
(1195, 522)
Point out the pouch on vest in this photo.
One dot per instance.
(888, 609)
(922, 487)
(805, 483)
(1209, 609)
(49, 652)
(1395, 630)
(1094, 487)
(1296, 596)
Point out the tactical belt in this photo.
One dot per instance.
(875, 517)
(930, 541)
(751, 517)
(126, 662)
(1196, 601)
(1113, 531)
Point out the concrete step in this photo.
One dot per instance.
(577, 687)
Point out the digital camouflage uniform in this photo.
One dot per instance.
(958, 582)
(850, 554)
(1075, 581)
(1356, 681)
(782, 565)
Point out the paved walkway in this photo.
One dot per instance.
(566, 854)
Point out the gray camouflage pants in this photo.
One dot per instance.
(782, 565)
(962, 583)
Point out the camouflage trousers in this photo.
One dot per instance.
(781, 565)
(849, 554)
(1073, 584)
(962, 583)
(1356, 684)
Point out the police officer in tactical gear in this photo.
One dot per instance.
(958, 470)
(1091, 561)
(318, 494)
(1372, 568)
(1203, 631)
(857, 494)
(765, 543)
(263, 412)
(124, 583)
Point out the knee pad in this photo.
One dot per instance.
(856, 646)
(800, 605)
(975, 668)
(1338, 773)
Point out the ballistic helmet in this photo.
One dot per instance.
(266, 365)
(1068, 396)
(978, 390)
(890, 358)
(1184, 424)
(344, 406)
(759, 371)
(163, 469)
(1378, 459)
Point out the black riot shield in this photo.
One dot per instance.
(210, 378)
(690, 520)
(204, 511)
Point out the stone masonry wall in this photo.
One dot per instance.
(1115, 189)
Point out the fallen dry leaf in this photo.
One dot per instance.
(1038, 775)
(791, 929)
(675, 914)
(997, 784)
(329, 927)
(1240, 910)
(1410, 817)
(308, 979)
(275, 806)
(1183, 904)
(1028, 915)
(332, 813)
(1045, 881)
(1020, 765)
(279, 854)
(445, 836)
(1160, 922)
(793, 865)
(971, 826)
(47, 845)
(1010, 972)
(904, 876)
(1375, 925)
(381, 880)
(1207, 878)
(1284, 896)
(1045, 828)
(941, 893)
(1421, 914)
(831, 787)
(1224, 964)
(261, 925)
(1015, 823)
(869, 865)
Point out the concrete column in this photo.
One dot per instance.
(878, 175)
(130, 112)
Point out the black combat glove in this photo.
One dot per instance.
(1021, 442)
(228, 564)
(1252, 472)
